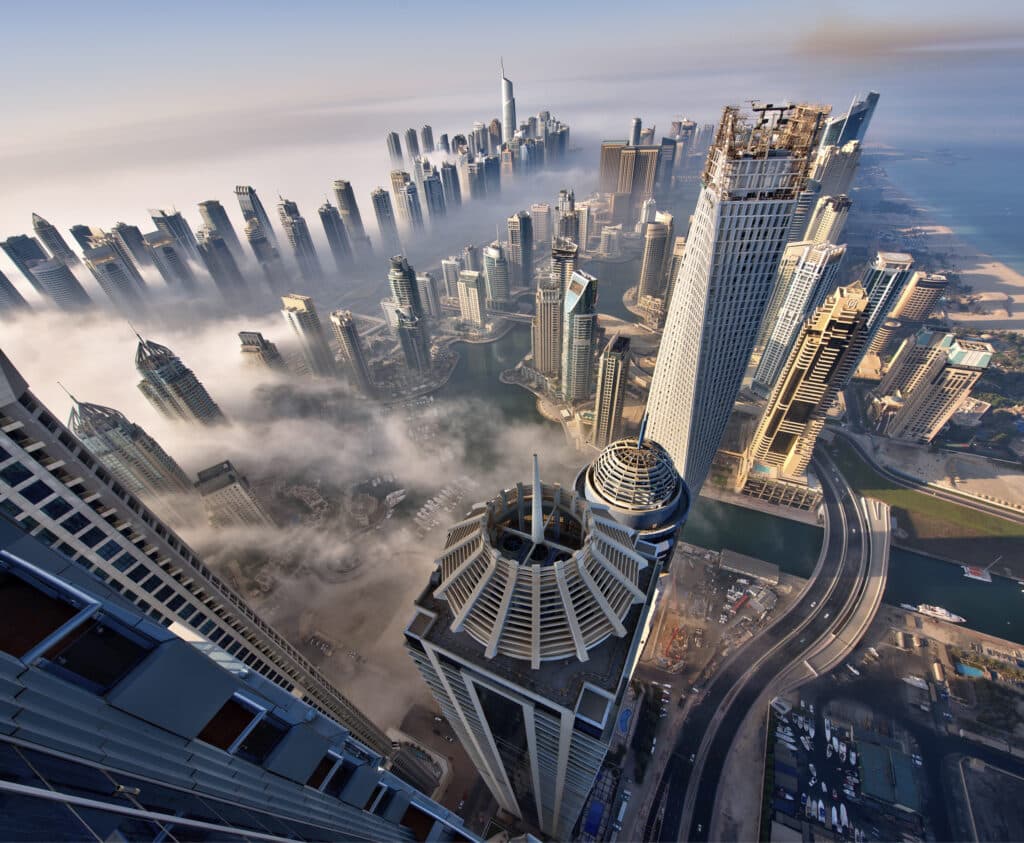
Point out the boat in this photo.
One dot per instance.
(842, 752)
(828, 750)
(835, 818)
(973, 572)
(853, 758)
(821, 811)
(828, 730)
(835, 744)
(936, 612)
(844, 818)
(806, 743)
(810, 732)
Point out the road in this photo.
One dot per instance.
(741, 680)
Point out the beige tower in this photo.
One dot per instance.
(920, 298)
(930, 377)
(821, 362)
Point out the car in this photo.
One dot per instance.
(625, 795)
(462, 804)
(814, 604)
(700, 827)
(438, 719)
(827, 615)
(449, 738)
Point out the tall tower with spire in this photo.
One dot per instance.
(134, 458)
(508, 107)
(533, 619)
(172, 388)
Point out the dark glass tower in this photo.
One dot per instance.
(216, 218)
(252, 209)
(172, 388)
(173, 223)
(297, 231)
(53, 240)
(337, 236)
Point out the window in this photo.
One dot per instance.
(30, 614)
(36, 492)
(10, 507)
(97, 654)
(228, 724)
(149, 586)
(93, 537)
(260, 742)
(109, 550)
(75, 523)
(57, 508)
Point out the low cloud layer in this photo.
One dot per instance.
(355, 588)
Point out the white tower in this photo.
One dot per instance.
(754, 174)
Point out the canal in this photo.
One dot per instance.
(994, 608)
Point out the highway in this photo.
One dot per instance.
(742, 679)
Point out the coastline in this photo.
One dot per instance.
(997, 289)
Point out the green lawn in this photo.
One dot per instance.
(924, 517)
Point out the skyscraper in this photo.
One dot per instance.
(120, 283)
(267, 255)
(413, 340)
(300, 313)
(337, 237)
(57, 281)
(719, 298)
(612, 378)
(851, 126)
(229, 499)
(471, 258)
(638, 172)
(835, 167)
(547, 328)
(394, 148)
(540, 215)
(349, 210)
(443, 145)
(130, 244)
(53, 240)
(173, 223)
(172, 388)
(216, 218)
(83, 235)
(123, 242)
(508, 108)
(299, 238)
(119, 537)
(635, 128)
(347, 334)
(132, 456)
(407, 200)
(608, 173)
(259, 352)
(472, 297)
(450, 268)
(450, 183)
(563, 260)
(520, 248)
(427, 136)
(828, 219)
(404, 289)
(252, 209)
(657, 237)
(11, 301)
(884, 280)
(929, 378)
(21, 249)
(429, 297)
(433, 195)
(220, 263)
(384, 212)
(412, 144)
(117, 751)
(822, 360)
(534, 589)
(579, 335)
(496, 273)
(920, 297)
(813, 278)
(169, 261)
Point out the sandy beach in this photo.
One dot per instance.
(996, 301)
(997, 290)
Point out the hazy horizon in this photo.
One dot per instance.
(248, 103)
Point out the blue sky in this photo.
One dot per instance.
(113, 107)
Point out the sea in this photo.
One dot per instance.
(976, 190)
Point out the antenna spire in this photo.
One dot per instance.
(72, 397)
(537, 515)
